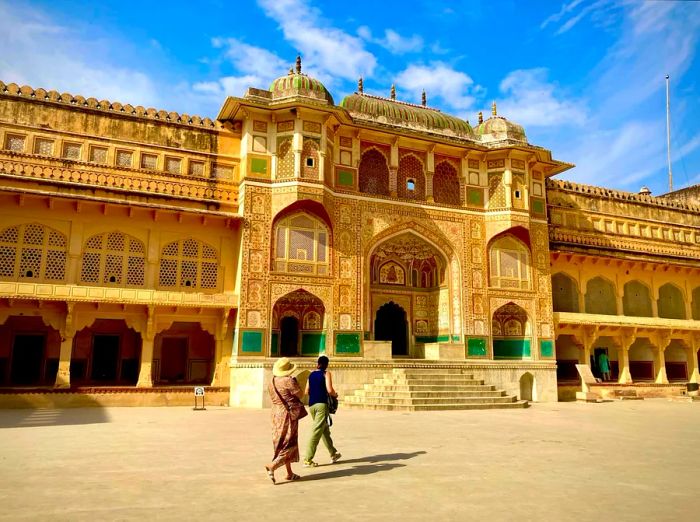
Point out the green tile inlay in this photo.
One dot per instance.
(538, 206)
(475, 197)
(546, 348)
(345, 178)
(251, 342)
(274, 343)
(313, 343)
(347, 343)
(476, 346)
(511, 348)
(258, 165)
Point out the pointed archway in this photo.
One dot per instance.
(298, 325)
(391, 325)
(511, 333)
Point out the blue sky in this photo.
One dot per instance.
(585, 78)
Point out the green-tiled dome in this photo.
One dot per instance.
(403, 114)
(498, 128)
(298, 84)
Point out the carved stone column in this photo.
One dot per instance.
(692, 357)
(393, 173)
(662, 342)
(147, 338)
(623, 357)
(429, 187)
(221, 364)
(67, 335)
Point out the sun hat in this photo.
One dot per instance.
(283, 367)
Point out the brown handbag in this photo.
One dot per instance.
(296, 410)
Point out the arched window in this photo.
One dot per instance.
(189, 264)
(564, 293)
(301, 245)
(510, 264)
(309, 159)
(32, 252)
(285, 159)
(374, 173)
(671, 302)
(446, 184)
(410, 179)
(113, 258)
(636, 301)
(601, 297)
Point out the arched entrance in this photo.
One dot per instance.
(298, 325)
(289, 336)
(106, 353)
(391, 325)
(511, 333)
(409, 294)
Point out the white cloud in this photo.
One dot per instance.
(41, 53)
(393, 41)
(252, 60)
(532, 101)
(327, 51)
(439, 80)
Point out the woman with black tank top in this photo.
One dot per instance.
(318, 387)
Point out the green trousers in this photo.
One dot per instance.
(319, 430)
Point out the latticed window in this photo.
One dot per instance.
(301, 245)
(32, 252)
(189, 264)
(510, 264)
(114, 258)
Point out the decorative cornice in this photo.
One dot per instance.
(357, 363)
(602, 192)
(54, 97)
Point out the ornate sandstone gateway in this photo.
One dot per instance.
(143, 252)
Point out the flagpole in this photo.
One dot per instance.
(668, 134)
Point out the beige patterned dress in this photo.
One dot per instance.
(285, 431)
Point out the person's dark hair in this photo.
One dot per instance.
(323, 362)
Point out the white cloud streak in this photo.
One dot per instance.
(440, 81)
(393, 41)
(532, 101)
(45, 54)
(327, 51)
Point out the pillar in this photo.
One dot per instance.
(219, 364)
(429, 174)
(508, 184)
(393, 173)
(145, 372)
(692, 357)
(623, 359)
(660, 362)
(63, 374)
(297, 144)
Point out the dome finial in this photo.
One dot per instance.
(360, 85)
(493, 109)
(298, 64)
(393, 91)
(424, 99)
(481, 117)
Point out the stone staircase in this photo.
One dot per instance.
(410, 389)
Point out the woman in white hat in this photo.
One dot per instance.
(287, 409)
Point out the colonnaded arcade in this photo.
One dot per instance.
(143, 252)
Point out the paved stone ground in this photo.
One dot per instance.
(614, 461)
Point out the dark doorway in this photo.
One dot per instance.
(27, 359)
(105, 358)
(391, 325)
(289, 336)
(173, 359)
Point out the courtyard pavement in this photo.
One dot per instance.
(636, 460)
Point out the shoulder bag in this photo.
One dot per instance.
(296, 410)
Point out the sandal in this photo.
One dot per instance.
(335, 457)
(293, 476)
(310, 464)
(270, 475)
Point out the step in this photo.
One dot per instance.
(427, 387)
(416, 372)
(433, 400)
(437, 407)
(429, 394)
(431, 381)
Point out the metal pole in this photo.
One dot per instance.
(668, 135)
